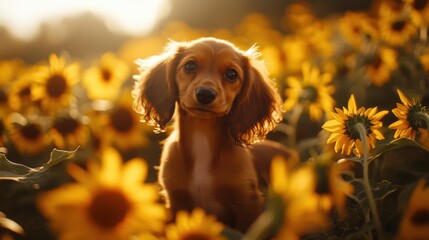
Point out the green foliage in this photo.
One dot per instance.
(21, 173)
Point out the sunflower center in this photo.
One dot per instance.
(309, 93)
(2, 128)
(356, 29)
(196, 236)
(376, 62)
(351, 130)
(108, 208)
(56, 85)
(31, 131)
(3, 97)
(398, 26)
(322, 184)
(66, 125)
(122, 120)
(421, 217)
(25, 92)
(419, 4)
(106, 75)
(415, 121)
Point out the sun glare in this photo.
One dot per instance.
(23, 18)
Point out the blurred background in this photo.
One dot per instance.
(66, 72)
(31, 30)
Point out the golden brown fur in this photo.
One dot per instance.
(224, 103)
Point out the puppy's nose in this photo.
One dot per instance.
(205, 95)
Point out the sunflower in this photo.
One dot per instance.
(298, 16)
(104, 80)
(391, 9)
(397, 30)
(28, 135)
(195, 225)
(419, 11)
(330, 186)
(313, 91)
(357, 28)
(69, 132)
(318, 39)
(2, 134)
(121, 125)
(21, 89)
(4, 101)
(54, 83)
(304, 210)
(409, 123)
(294, 51)
(424, 61)
(9, 69)
(415, 220)
(272, 56)
(108, 201)
(343, 127)
(381, 66)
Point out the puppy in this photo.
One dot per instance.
(224, 103)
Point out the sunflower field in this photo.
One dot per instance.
(76, 162)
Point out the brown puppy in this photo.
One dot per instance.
(225, 103)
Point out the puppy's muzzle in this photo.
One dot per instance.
(205, 95)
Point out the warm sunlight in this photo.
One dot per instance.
(23, 18)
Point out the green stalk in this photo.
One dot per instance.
(423, 33)
(293, 121)
(261, 228)
(367, 186)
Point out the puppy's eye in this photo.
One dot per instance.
(190, 66)
(231, 75)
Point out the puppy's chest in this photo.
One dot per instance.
(202, 180)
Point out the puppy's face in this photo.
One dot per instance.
(209, 76)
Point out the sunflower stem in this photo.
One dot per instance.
(367, 186)
(293, 121)
(423, 33)
(260, 229)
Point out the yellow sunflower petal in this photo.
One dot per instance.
(400, 124)
(135, 171)
(352, 104)
(380, 115)
(333, 126)
(403, 98)
(378, 135)
(279, 175)
(341, 142)
(111, 166)
(333, 137)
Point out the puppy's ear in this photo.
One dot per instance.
(155, 90)
(256, 109)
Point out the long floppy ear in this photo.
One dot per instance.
(155, 90)
(256, 109)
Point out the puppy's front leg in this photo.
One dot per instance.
(245, 201)
(250, 207)
(180, 200)
(174, 179)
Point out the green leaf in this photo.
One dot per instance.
(21, 173)
(382, 190)
(10, 225)
(395, 144)
(269, 221)
(231, 234)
